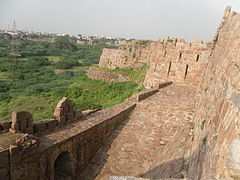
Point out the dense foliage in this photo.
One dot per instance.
(46, 72)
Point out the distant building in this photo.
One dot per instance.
(81, 42)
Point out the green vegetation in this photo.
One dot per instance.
(204, 140)
(136, 75)
(203, 124)
(47, 71)
(170, 40)
(236, 177)
(215, 137)
(143, 43)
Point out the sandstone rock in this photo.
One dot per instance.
(89, 111)
(5, 124)
(78, 114)
(22, 121)
(65, 112)
(106, 76)
(40, 126)
(234, 157)
(52, 123)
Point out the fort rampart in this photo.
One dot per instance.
(63, 146)
(59, 147)
(169, 59)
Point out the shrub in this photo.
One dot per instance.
(66, 64)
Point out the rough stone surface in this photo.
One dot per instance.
(169, 59)
(189, 129)
(5, 124)
(217, 123)
(106, 76)
(133, 54)
(132, 150)
(22, 121)
(65, 112)
(62, 152)
(234, 157)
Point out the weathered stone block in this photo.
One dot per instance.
(62, 103)
(4, 173)
(4, 158)
(59, 112)
(52, 123)
(78, 114)
(22, 121)
(234, 157)
(70, 117)
(40, 126)
(15, 154)
(5, 124)
(62, 120)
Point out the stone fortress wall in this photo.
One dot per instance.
(133, 54)
(216, 145)
(63, 145)
(214, 69)
(66, 143)
(169, 59)
(179, 61)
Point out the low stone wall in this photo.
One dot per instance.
(73, 133)
(106, 76)
(80, 140)
(215, 149)
(44, 126)
(22, 121)
(4, 164)
(149, 92)
(5, 125)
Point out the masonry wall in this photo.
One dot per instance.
(57, 147)
(169, 59)
(79, 143)
(178, 61)
(216, 145)
(134, 54)
(4, 164)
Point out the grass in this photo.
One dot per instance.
(41, 107)
(170, 40)
(203, 124)
(136, 75)
(236, 177)
(4, 76)
(84, 92)
(57, 71)
(53, 58)
(204, 140)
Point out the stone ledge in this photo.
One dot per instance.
(136, 178)
(149, 92)
(5, 124)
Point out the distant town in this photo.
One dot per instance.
(50, 37)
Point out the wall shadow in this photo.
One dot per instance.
(190, 168)
(98, 161)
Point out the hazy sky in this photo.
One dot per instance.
(140, 19)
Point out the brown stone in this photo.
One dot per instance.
(5, 124)
(52, 123)
(78, 114)
(59, 112)
(22, 121)
(70, 117)
(62, 120)
(40, 126)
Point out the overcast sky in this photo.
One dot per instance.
(140, 19)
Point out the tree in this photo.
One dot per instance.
(63, 42)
